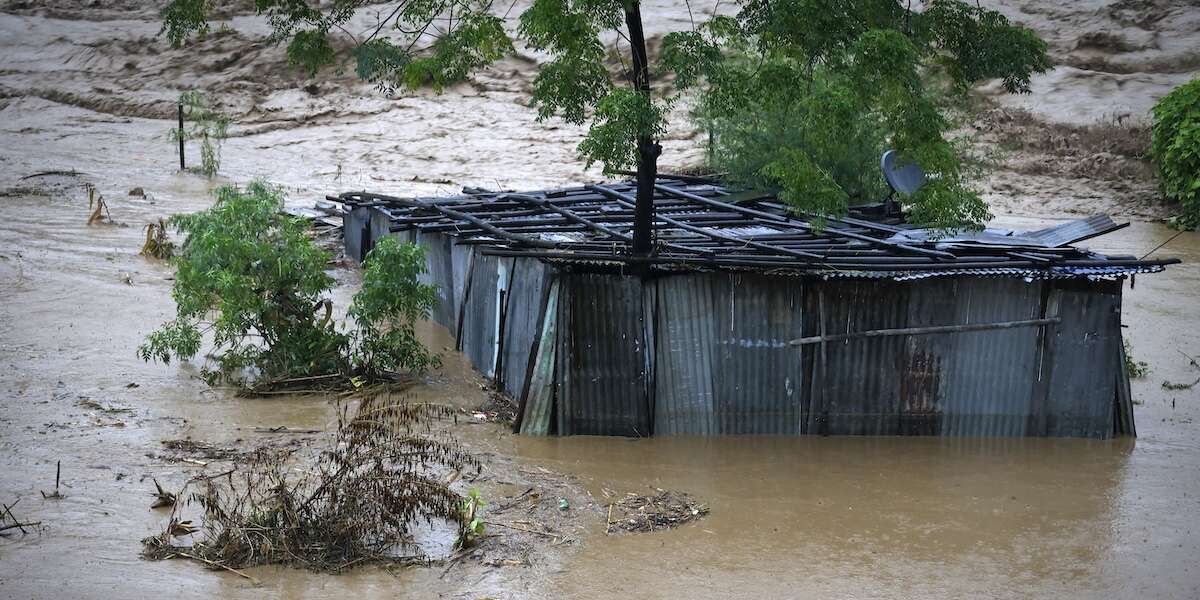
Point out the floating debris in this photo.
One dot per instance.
(661, 510)
(9, 521)
(355, 504)
(162, 497)
(56, 494)
(195, 449)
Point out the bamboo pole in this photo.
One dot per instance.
(837, 337)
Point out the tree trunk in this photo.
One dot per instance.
(647, 147)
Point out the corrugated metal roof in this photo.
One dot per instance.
(1074, 231)
(708, 227)
(1089, 273)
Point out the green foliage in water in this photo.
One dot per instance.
(207, 124)
(1175, 146)
(251, 277)
(391, 300)
(438, 43)
(804, 96)
(471, 518)
(1135, 368)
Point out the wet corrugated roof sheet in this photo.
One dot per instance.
(700, 225)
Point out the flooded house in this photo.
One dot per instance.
(751, 318)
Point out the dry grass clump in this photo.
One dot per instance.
(356, 503)
(1118, 135)
(1115, 148)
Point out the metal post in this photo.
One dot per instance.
(182, 166)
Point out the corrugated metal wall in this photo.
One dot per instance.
(855, 384)
(462, 257)
(440, 274)
(538, 398)
(363, 220)
(522, 321)
(602, 364)
(686, 351)
(481, 322)
(709, 353)
(759, 375)
(1086, 350)
(979, 383)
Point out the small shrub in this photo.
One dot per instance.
(252, 276)
(1175, 145)
(470, 519)
(158, 244)
(1136, 368)
(208, 125)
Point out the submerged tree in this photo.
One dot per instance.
(874, 48)
(208, 125)
(251, 277)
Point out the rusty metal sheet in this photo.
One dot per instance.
(987, 378)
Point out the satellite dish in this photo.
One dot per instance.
(904, 176)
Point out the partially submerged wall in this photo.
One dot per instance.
(713, 353)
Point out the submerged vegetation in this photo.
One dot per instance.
(1135, 368)
(381, 474)
(208, 125)
(799, 93)
(1175, 143)
(251, 276)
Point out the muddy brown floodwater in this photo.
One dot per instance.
(88, 88)
(814, 517)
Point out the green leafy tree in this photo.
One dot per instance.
(871, 47)
(251, 276)
(1175, 145)
(803, 96)
(391, 301)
